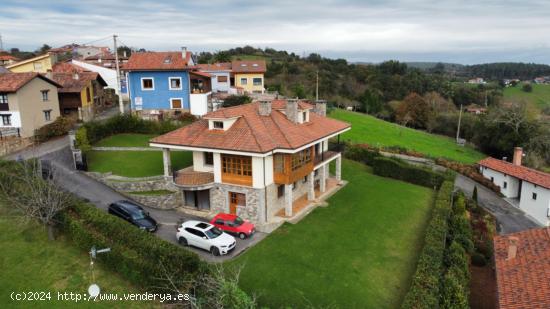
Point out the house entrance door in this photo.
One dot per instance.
(236, 199)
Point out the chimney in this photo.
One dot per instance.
(265, 108)
(512, 248)
(99, 59)
(518, 154)
(75, 76)
(184, 52)
(321, 107)
(292, 110)
(124, 54)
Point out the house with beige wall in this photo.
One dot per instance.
(28, 101)
(38, 64)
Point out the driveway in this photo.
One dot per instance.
(101, 196)
(509, 218)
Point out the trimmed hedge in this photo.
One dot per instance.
(389, 167)
(139, 256)
(426, 284)
(59, 127)
(97, 130)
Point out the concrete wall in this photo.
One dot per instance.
(31, 107)
(255, 201)
(262, 176)
(199, 103)
(537, 209)
(499, 178)
(109, 75)
(217, 86)
(198, 162)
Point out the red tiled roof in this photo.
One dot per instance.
(71, 85)
(252, 132)
(158, 61)
(65, 67)
(528, 174)
(8, 57)
(199, 73)
(523, 280)
(248, 66)
(11, 82)
(220, 66)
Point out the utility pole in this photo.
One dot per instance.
(120, 103)
(1, 43)
(317, 87)
(459, 120)
(485, 98)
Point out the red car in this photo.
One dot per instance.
(233, 224)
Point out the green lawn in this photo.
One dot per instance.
(376, 132)
(540, 96)
(126, 140)
(30, 262)
(135, 163)
(360, 252)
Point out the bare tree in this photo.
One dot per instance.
(512, 115)
(216, 288)
(22, 187)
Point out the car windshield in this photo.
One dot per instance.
(213, 232)
(138, 215)
(238, 221)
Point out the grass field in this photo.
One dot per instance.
(376, 132)
(126, 140)
(359, 252)
(540, 96)
(135, 163)
(30, 262)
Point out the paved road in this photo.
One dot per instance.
(509, 218)
(101, 196)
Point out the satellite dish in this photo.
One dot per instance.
(94, 290)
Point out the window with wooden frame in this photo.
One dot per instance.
(279, 163)
(237, 165)
(175, 83)
(147, 83)
(208, 158)
(175, 103)
(217, 124)
(222, 79)
(237, 198)
(301, 158)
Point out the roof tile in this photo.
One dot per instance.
(528, 174)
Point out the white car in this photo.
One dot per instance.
(205, 236)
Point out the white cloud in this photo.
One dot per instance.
(441, 29)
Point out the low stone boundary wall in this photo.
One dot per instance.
(125, 185)
(415, 161)
(126, 149)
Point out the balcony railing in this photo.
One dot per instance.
(325, 156)
(190, 178)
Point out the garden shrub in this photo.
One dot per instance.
(81, 140)
(454, 293)
(478, 260)
(97, 130)
(59, 127)
(469, 171)
(361, 153)
(393, 168)
(426, 284)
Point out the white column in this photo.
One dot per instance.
(288, 200)
(323, 181)
(311, 186)
(339, 168)
(167, 162)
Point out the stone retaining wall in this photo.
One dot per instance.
(125, 185)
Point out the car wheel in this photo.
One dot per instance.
(182, 241)
(242, 235)
(215, 251)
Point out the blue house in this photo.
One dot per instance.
(164, 82)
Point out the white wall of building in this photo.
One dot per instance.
(198, 163)
(259, 172)
(217, 167)
(497, 178)
(537, 209)
(15, 119)
(199, 103)
(217, 86)
(510, 189)
(109, 75)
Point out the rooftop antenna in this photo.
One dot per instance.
(317, 87)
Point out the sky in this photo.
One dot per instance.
(458, 31)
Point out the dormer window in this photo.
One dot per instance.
(254, 64)
(168, 60)
(304, 116)
(217, 125)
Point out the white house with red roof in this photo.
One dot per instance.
(528, 186)
(260, 160)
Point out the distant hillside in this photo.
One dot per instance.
(502, 70)
(432, 65)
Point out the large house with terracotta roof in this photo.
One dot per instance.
(260, 160)
(527, 187)
(167, 83)
(28, 101)
(522, 262)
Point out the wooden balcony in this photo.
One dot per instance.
(325, 156)
(191, 179)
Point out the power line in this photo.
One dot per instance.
(105, 38)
